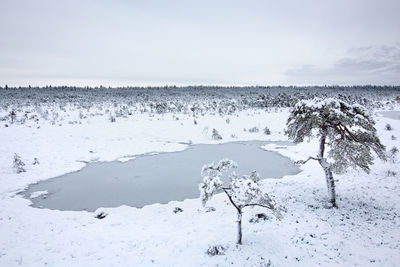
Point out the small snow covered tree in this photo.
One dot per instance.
(393, 154)
(347, 130)
(18, 164)
(243, 191)
(13, 115)
(35, 161)
(216, 135)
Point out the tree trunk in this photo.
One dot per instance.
(329, 181)
(327, 169)
(239, 225)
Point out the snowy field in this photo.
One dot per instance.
(64, 135)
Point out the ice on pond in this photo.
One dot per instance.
(154, 178)
(390, 114)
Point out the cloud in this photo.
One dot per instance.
(360, 65)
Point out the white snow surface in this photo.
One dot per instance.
(363, 231)
(125, 159)
(38, 194)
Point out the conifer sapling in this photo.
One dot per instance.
(242, 191)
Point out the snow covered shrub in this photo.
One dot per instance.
(228, 121)
(267, 131)
(393, 137)
(161, 108)
(177, 210)
(391, 173)
(259, 217)
(209, 209)
(101, 215)
(35, 161)
(393, 154)
(216, 250)
(13, 115)
(18, 164)
(242, 191)
(348, 130)
(112, 118)
(254, 130)
(216, 135)
(265, 263)
(388, 127)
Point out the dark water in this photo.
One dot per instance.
(150, 179)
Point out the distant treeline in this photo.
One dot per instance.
(73, 104)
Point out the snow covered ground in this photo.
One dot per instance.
(363, 231)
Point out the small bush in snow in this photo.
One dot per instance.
(18, 164)
(13, 115)
(267, 131)
(393, 137)
(393, 154)
(177, 210)
(35, 161)
(263, 263)
(216, 135)
(243, 191)
(388, 127)
(216, 250)
(254, 130)
(391, 173)
(228, 121)
(259, 217)
(101, 215)
(209, 209)
(112, 118)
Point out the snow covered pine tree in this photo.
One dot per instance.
(242, 191)
(18, 164)
(348, 131)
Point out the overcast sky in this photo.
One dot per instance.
(71, 42)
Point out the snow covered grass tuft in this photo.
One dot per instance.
(388, 127)
(216, 250)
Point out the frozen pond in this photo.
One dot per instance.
(150, 179)
(391, 114)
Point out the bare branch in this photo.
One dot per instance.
(351, 134)
(231, 200)
(304, 161)
(270, 206)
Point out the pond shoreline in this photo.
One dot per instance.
(62, 192)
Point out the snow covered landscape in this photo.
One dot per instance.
(65, 135)
(199, 133)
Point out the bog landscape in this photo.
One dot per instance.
(98, 176)
(199, 133)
